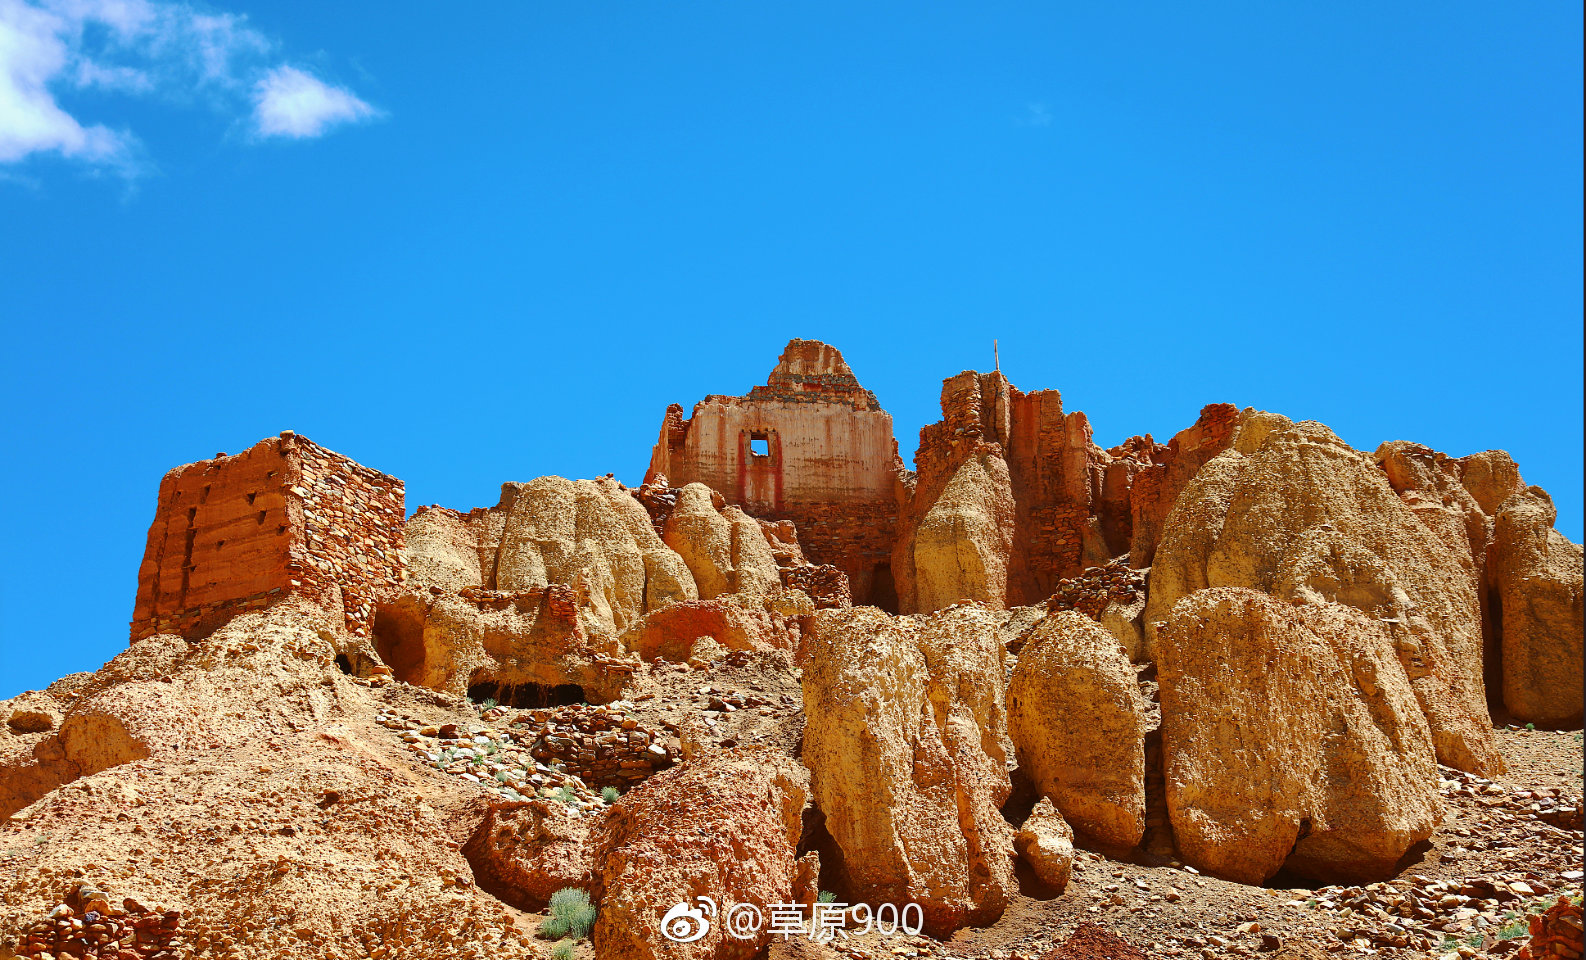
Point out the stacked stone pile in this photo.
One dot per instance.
(658, 499)
(1092, 591)
(86, 925)
(1556, 933)
(825, 584)
(601, 745)
(493, 760)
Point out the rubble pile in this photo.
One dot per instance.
(824, 583)
(601, 745)
(1093, 590)
(1555, 933)
(86, 925)
(492, 759)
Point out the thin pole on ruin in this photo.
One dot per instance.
(995, 359)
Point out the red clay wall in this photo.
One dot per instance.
(286, 517)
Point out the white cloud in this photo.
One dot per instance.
(32, 53)
(290, 103)
(160, 48)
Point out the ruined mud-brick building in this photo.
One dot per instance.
(811, 446)
(284, 518)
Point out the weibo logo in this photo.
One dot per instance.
(685, 924)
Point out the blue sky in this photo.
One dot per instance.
(482, 243)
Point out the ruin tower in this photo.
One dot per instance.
(813, 446)
(285, 518)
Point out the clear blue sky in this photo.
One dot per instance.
(473, 243)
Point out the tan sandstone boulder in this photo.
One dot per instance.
(961, 547)
(725, 826)
(907, 752)
(1077, 722)
(593, 534)
(1290, 735)
(1046, 843)
(1537, 572)
(1291, 510)
(726, 550)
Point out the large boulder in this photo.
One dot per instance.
(961, 547)
(724, 826)
(1537, 573)
(907, 751)
(1291, 736)
(1077, 722)
(725, 549)
(522, 852)
(592, 534)
(1291, 510)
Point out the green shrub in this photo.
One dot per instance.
(563, 950)
(488, 702)
(827, 897)
(1530, 726)
(610, 794)
(571, 914)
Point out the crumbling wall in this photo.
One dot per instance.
(812, 446)
(286, 517)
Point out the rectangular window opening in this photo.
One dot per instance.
(759, 445)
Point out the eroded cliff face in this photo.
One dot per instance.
(1249, 647)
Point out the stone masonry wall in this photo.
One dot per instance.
(812, 446)
(285, 518)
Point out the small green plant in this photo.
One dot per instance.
(488, 703)
(827, 897)
(563, 950)
(610, 794)
(1530, 726)
(565, 795)
(572, 914)
(1516, 928)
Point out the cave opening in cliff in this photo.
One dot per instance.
(1492, 653)
(343, 663)
(883, 590)
(527, 695)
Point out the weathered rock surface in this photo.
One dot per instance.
(1159, 484)
(1010, 496)
(1078, 725)
(724, 826)
(1537, 573)
(244, 784)
(961, 546)
(907, 750)
(1291, 736)
(524, 852)
(593, 534)
(671, 632)
(1046, 843)
(1291, 510)
(725, 549)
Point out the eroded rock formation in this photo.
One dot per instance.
(1291, 736)
(907, 750)
(724, 826)
(1292, 511)
(1078, 725)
